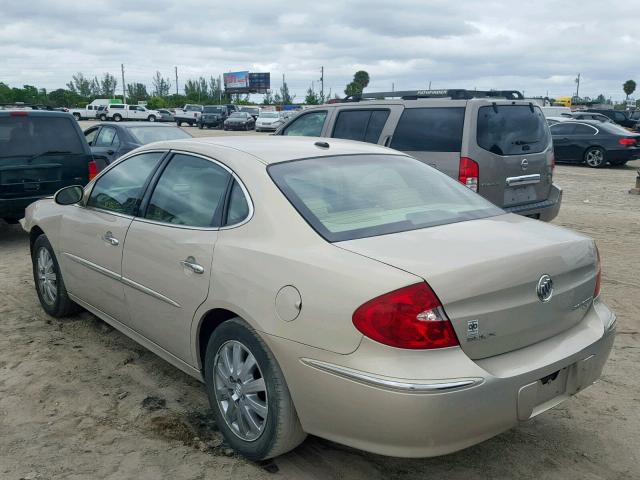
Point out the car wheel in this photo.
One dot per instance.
(76, 116)
(48, 280)
(248, 393)
(117, 118)
(595, 157)
(151, 118)
(179, 123)
(103, 118)
(200, 126)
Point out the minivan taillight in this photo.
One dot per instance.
(627, 142)
(411, 317)
(596, 290)
(469, 173)
(93, 170)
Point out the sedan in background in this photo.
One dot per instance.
(109, 141)
(329, 287)
(239, 121)
(165, 115)
(269, 121)
(594, 143)
(590, 116)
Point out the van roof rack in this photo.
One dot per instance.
(454, 94)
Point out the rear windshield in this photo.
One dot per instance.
(213, 109)
(357, 196)
(146, 135)
(512, 129)
(31, 135)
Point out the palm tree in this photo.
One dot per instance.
(629, 87)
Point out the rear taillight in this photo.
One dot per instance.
(469, 173)
(627, 142)
(411, 317)
(18, 114)
(596, 290)
(93, 170)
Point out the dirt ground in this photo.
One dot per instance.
(79, 400)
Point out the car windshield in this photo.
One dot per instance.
(212, 110)
(269, 115)
(28, 135)
(144, 134)
(250, 110)
(512, 129)
(238, 115)
(357, 196)
(193, 108)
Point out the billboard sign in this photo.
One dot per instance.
(259, 82)
(236, 82)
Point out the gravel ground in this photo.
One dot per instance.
(79, 400)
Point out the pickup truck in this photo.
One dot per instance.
(88, 111)
(190, 114)
(121, 111)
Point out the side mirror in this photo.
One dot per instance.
(69, 195)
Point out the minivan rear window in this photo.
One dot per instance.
(355, 196)
(512, 129)
(429, 130)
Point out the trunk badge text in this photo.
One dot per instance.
(545, 288)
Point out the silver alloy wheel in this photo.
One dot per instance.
(594, 157)
(240, 390)
(47, 278)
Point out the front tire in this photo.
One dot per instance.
(103, 118)
(595, 157)
(48, 280)
(76, 116)
(151, 118)
(248, 393)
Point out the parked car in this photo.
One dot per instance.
(493, 142)
(165, 115)
(554, 120)
(110, 141)
(594, 143)
(635, 115)
(121, 111)
(40, 152)
(269, 121)
(618, 116)
(101, 113)
(398, 312)
(239, 121)
(89, 111)
(590, 116)
(253, 111)
(188, 114)
(213, 116)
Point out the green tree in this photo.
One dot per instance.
(108, 85)
(80, 84)
(196, 90)
(285, 96)
(157, 102)
(6, 94)
(358, 84)
(161, 85)
(216, 91)
(268, 98)
(136, 92)
(312, 97)
(600, 99)
(629, 87)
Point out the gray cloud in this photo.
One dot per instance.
(537, 46)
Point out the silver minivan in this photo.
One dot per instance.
(494, 142)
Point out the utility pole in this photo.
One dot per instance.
(578, 86)
(429, 84)
(176, 80)
(124, 88)
(393, 87)
(322, 83)
(220, 88)
(283, 84)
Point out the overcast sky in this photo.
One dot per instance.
(537, 46)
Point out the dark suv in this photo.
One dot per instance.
(618, 116)
(213, 116)
(40, 152)
(494, 142)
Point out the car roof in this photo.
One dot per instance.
(35, 113)
(275, 149)
(133, 124)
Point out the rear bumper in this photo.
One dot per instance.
(428, 403)
(623, 155)
(14, 208)
(546, 210)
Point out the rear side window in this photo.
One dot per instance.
(563, 128)
(584, 130)
(307, 125)
(31, 135)
(512, 129)
(429, 130)
(238, 208)
(361, 125)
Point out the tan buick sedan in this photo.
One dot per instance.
(334, 288)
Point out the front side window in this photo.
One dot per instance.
(356, 196)
(190, 192)
(429, 130)
(361, 125)
(119, 189)
(307, 125)
(512, 129)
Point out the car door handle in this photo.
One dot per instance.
(191, 264)
(110, 239)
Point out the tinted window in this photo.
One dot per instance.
(361, 125)
(106, 137)
(116, 106)
(31, 135)
(120, 189)
(132, 107)
(429, 130)
(358, 196)
(512, 129)
(147, 134)
(562, 128)
(584, 130)
(308, 125)
(190, 192)
(620, 117)
(90, 135)
(238, 206)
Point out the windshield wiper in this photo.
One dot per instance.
(525, 142)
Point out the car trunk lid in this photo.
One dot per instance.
(486, 274)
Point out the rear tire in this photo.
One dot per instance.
(273, 434)
(117, 117)
(200, 126)
(48, 280)
(179, 123)
(76, 116)
(595, 157)
(103, 118)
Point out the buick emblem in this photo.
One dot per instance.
(524, 164)
(545, 288)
